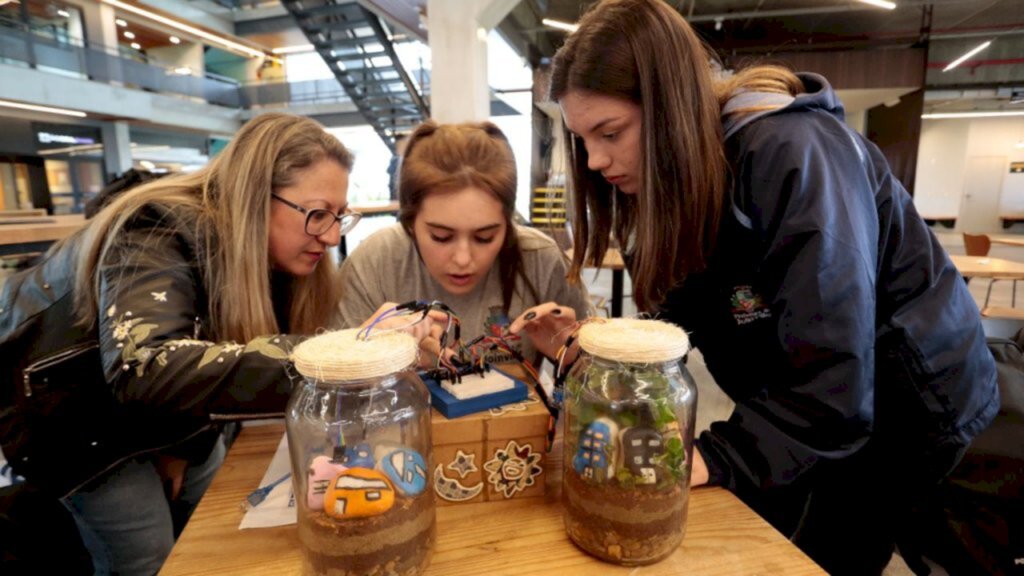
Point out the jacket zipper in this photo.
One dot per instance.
(50, 361)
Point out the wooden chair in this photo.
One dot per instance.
(979, 245)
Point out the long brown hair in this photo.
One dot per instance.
(226, 206)
(644, 52)
(449, 157)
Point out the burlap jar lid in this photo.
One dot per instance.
(634, 340)
(339, 356)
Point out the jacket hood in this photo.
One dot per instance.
(818, 96)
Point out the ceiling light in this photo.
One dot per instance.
(880, 3)
(136, 46)
(224, 42)
(175, 40)
(961, 59)
(559, 24)
(293, 49)
(977, 114)
(64, 13)
(120, 22)
(129, 35)
(51, 110)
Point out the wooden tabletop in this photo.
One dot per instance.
(1007, 239)
(988, 267)
(46, 229)
(525, 536)
(612, 259)
(376, 209)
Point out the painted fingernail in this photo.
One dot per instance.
(557, 311)
(530, 315)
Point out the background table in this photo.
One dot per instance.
(36, 234)
(612, 261)
(369, 211)
(988, 267)
(1007, 239)
(515, 537)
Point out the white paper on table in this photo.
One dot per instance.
(278, 509)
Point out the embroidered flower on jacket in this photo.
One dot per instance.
(123, 329)
(185, 342)
(232, 347)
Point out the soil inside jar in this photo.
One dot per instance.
(397, 543)
(634, 526)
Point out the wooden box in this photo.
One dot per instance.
(492, 455)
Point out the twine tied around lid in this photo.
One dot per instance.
(634, 340)
(340, 356)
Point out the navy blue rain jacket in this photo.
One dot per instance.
(829, 312)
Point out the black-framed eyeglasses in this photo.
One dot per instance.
(319, 221)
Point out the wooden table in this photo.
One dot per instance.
(1007, 239)
(988, 267)
(515, 537)
(36, 234)
(612, 261)
(369, 211)
(376, 209)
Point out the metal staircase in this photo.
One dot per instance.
(355, 45)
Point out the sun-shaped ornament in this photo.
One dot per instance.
(513, 469)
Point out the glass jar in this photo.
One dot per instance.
(630, 407)
(359, 440)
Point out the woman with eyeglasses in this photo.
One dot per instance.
(171, 312)
(456, 242)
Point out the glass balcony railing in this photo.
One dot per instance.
(20, 45)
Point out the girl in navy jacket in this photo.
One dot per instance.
(752, 216)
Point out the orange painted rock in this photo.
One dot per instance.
(357, 493)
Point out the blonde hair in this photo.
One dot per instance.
(643, 51)
(223, 210)
(449, 157)
(765, 78)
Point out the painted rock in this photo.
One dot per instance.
(406, 470)
(319, 476)
(640, 447)
(596, 450)
(359, 456)
(357, 493)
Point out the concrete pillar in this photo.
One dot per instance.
(117, 149)
(100, 29)
(458, 52)
(103, 63)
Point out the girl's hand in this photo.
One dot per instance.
(426, 331)
(547, 325)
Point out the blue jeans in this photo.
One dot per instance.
(125, 520)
